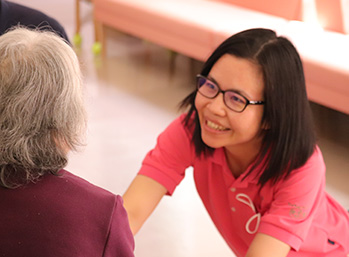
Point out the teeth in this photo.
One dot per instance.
(215, 126)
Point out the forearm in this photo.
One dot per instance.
(140, 200)
(267, 246)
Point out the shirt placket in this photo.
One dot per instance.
(243, 212)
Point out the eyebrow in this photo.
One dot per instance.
(233, 90)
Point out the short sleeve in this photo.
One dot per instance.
(296, 202)
(173, 153)
(120, 240)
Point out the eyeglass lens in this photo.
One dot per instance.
(232, 100)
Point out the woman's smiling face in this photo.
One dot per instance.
(222, 127)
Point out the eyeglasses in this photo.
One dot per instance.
(232, 99)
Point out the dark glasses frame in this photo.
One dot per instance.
(248, 102)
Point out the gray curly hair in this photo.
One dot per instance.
(42, 114)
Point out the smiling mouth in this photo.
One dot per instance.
(215, 126)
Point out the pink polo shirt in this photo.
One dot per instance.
(296, 211)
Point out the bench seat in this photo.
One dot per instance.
(196, 27)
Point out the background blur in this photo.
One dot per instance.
(131, 96)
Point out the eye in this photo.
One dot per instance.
(207, 88)
(210, 85)
(236, 98)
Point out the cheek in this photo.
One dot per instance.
(248, 123)
(199, 102)
(259, 117)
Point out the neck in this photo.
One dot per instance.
(239, 158)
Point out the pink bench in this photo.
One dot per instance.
(195, 28)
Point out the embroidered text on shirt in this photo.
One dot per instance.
(297, 211)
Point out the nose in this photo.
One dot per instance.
(217, 105)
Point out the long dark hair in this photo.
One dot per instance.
(290, 139)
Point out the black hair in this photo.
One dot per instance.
(290, 138)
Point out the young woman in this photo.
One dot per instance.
(250, 138)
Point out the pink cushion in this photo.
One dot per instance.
(173, 24)
(290, 9)
(196, 27)
(186, 26)
(325, 57)
(330, 16)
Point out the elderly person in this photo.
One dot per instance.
(45, 210)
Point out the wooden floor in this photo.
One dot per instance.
(131, 97)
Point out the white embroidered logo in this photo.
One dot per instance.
(243, 198)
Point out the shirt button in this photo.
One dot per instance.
(233, 209)
(233, 189)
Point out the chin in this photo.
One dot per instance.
(210, 142)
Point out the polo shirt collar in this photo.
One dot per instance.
(219, 158)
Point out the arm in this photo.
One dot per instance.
(267, 246)
(140, 199)
(120, 240)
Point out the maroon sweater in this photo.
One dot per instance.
(63, 216)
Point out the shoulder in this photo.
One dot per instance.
(313, 168)
(303, 187)
(13, 14)
(311, 174)
(4, 16)
(172, 154)
(316, 159)
(176, 134)
(79, 189)
(178, 125)
(80, 183)
(25, 14)
(173, 144)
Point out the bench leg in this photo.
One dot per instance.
(77, 17)
(173, 56)
(77, 37)
(100, 42)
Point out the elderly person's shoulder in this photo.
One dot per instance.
(13, 14)
(63, 215)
